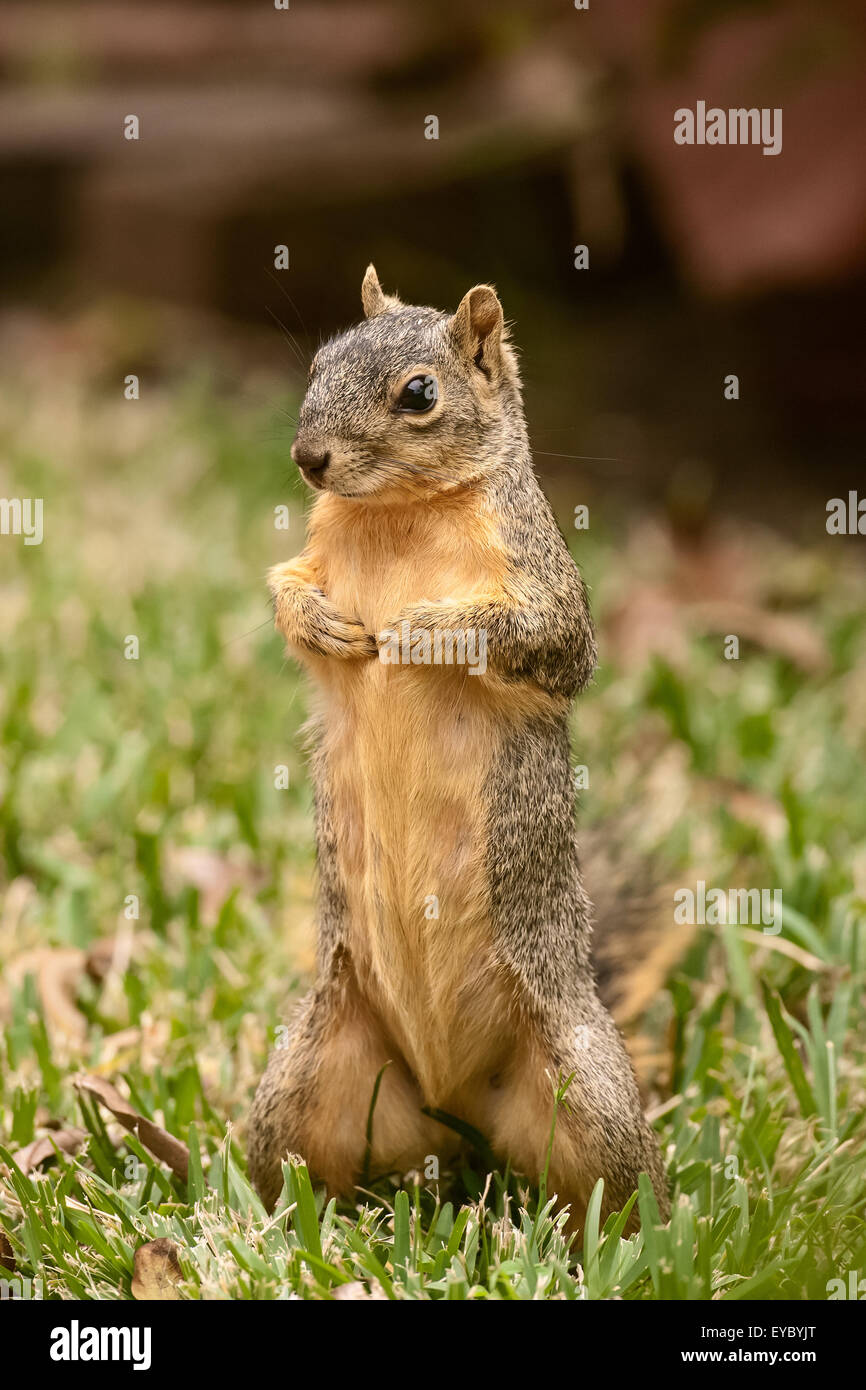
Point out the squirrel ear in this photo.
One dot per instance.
(373, 297)
(477, 327)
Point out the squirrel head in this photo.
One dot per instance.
(410, 402)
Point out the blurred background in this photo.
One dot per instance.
(305, 127)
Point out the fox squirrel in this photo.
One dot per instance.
(454, 927)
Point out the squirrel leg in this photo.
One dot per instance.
(600, 1129)
(315, 1097)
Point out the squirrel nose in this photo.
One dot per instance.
(311, 460)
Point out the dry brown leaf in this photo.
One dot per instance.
(58, 978)
(100, 957)
(68, 1141)
(156, 1272)
(647, 623)
(7, 1254)
(788, 635)
(162, 1145)
(215, 876)
(750, 806)
(708, 583)
(57, 972)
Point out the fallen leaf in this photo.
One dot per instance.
(7, 1254)
(156, 1272)
(58, 978)
(100, 957)
(649, 622)
(752, 807)
(715, 582)
(787, 634)
(214, 875)
(57, 972)
(40, 1151)
(162, 1145)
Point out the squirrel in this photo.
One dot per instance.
(454, 928)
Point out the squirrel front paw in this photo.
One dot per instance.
(427, 616)
(331, 634)
(435, 633)
(307, 619)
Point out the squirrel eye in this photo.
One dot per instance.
(418, 395)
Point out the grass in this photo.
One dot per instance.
(150, 786)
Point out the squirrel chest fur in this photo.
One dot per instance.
(407, 749)
(446, 629)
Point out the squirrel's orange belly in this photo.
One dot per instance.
(408, 752)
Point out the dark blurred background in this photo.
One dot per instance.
(305, 127)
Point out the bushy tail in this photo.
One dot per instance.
(636, 943)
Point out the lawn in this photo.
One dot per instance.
(156, 864)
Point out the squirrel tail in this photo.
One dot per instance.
(636, 943)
